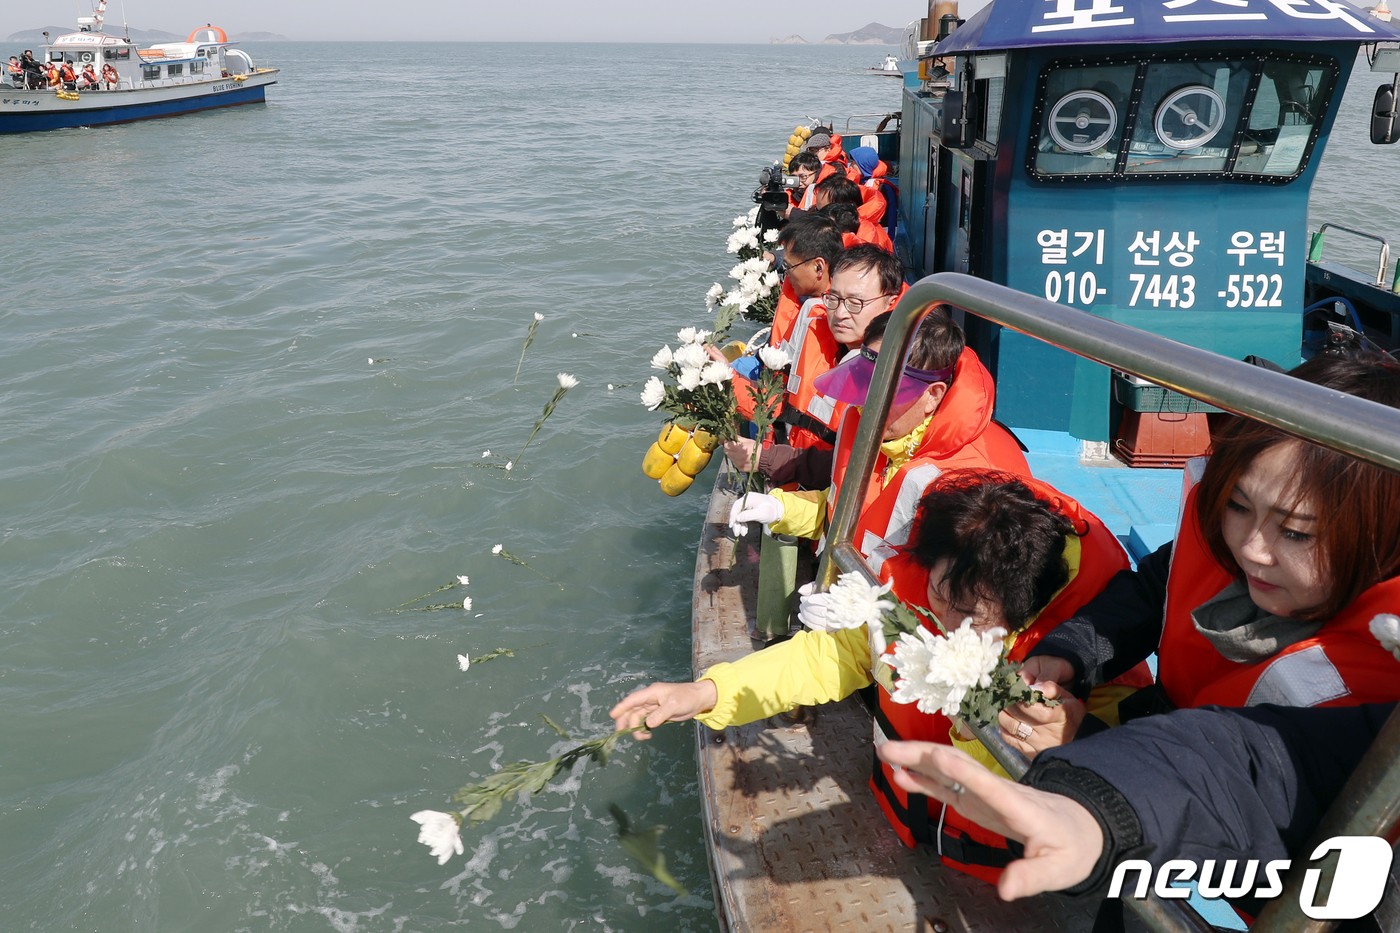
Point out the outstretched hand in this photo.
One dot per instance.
(1062, 839)
(663, 702)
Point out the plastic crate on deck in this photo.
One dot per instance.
(1137, 394)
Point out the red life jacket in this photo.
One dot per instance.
(875, 235)
(961, 434)
(1342, 664)
(963, 844)
(872, 204)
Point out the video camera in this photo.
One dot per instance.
(771, 196)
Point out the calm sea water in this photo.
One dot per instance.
(210, 501)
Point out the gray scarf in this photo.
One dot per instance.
(1241, 631)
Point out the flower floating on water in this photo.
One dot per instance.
(440, 832)
(464, 662)
(510, 465)
(467, 603)
(461, 580)
(371, 361)
(502, 553)
(486, 453)
(529, 339)
(567, 381)
(1386, 628)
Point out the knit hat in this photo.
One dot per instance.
(818, 141)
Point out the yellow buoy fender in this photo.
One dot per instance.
(675, 481)
(692, 459)
(657, 462)
(673, 438)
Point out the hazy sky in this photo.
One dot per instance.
(499, 20)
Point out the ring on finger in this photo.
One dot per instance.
(956, 788)
(1024, 730)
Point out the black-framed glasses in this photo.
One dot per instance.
(789, 266)
(857, 305)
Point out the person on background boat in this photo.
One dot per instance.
(1008, 551)
(52, 75)
(1222, 784)
(109, 76)
(68, 76)
(16, 71)
(34, 76)
(838, 189)
(88, 80)
(1285, 554)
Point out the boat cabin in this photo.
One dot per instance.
(205, 55)
(1147, 163)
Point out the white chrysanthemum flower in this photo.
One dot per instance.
(735, 242)
(464, 661)
(736, 298)
(1386, 628)
(851, 602)
(715, 373)
(757, 264)
(938, 672)
(661, 359)
(440, 832)
(774, 357)
(467, 604)
(486, 453)
(770, 279)
(752, 216)
(567, 380)
(689, 379)
(371, 361)
(510, 465)
(538, 316)
(610, 387)
(701, 336)
(463, 580)
(713, 296)
(686, 335)
(496, 548)
(770, 235)
(690, 356)
(737, 272)
(741, 221)
(653, 394)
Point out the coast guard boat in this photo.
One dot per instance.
(203, 72)
(1111, 196)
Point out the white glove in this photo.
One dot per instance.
(814, 609)
(754, 507)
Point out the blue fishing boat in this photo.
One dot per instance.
(1112, 199)
(129, 82)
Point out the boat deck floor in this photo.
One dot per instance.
(796, 840)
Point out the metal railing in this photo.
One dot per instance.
(1315, 247)
(1360, 428)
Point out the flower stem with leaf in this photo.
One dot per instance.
(529, 339)
(566, 382)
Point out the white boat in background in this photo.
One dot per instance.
(166, 79)
(890, 67)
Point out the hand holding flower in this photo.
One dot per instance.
(663, 702)
(1045, 668)
(1033, 727)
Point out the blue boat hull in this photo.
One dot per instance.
(128, 113)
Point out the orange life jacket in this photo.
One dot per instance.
(875, 235)
(1342, 664)
(872, 204)
(54, 78)
(66, 72)
(16, 67)
(963, 844)
(962, 434)
(784, 314)
(109, 74)
(811, 417)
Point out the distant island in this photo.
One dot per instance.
(869, 34)
(140, 36)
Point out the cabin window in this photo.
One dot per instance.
(1287, 107)
(196, 67)
(1186, 116)
(1083, 120)
(117, 55)
(988, 99)
(150, 72)
(174, 70)
(1249, 115)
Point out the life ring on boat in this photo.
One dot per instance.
(208, 33)
(85, 56)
